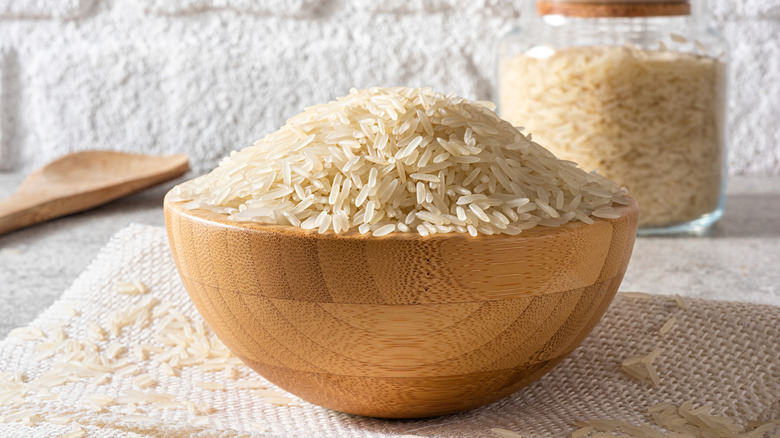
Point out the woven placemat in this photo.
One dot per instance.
(68, 374)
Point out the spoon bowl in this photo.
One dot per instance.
(84, 180)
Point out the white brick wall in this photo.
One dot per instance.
(8, 116)
(208, 76)
(280, 8)
(44, 9)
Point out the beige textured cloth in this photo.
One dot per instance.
(723, 353)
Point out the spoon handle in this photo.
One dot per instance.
(21, 210)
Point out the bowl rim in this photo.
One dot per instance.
(626, 211)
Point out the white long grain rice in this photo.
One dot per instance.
(137, 418)
(678, 420)
(651, 120)
(210, 386)
(680, 301)
(667, 327)
(144, 381)
(641, 367)
(17, 416)
(637, 295)
(200, 421)
(134, 287)
(126, 370)
(58, 420)
(368, 160)
(250, 384)
(76, 431)
(27, 333)
(504, 433)
(74, 360)
(256, 426)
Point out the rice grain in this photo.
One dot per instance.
(447, 148)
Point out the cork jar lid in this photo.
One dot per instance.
(613, 8)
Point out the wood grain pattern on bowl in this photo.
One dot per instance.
(399, 326)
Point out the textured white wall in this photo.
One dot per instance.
(208, 76)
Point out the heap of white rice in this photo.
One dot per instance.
(386, 160)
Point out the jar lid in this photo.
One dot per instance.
(613, 8)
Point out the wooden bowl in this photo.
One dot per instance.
(399, 326)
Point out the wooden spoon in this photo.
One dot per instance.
(84, 180)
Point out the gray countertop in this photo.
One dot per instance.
(738, 260)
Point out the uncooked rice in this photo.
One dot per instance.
(504, 433)
(668, 325)
(76, 431)
(134, 287)
(389, 160)
(637, 295)
(642, 368)
(210, 386)
(680, 302)
(683, 420)
(651, 120)
(182, 343)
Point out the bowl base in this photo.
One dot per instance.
(403, 397)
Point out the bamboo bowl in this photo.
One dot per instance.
(399, 326)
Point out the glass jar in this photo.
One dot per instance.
(633, 89)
